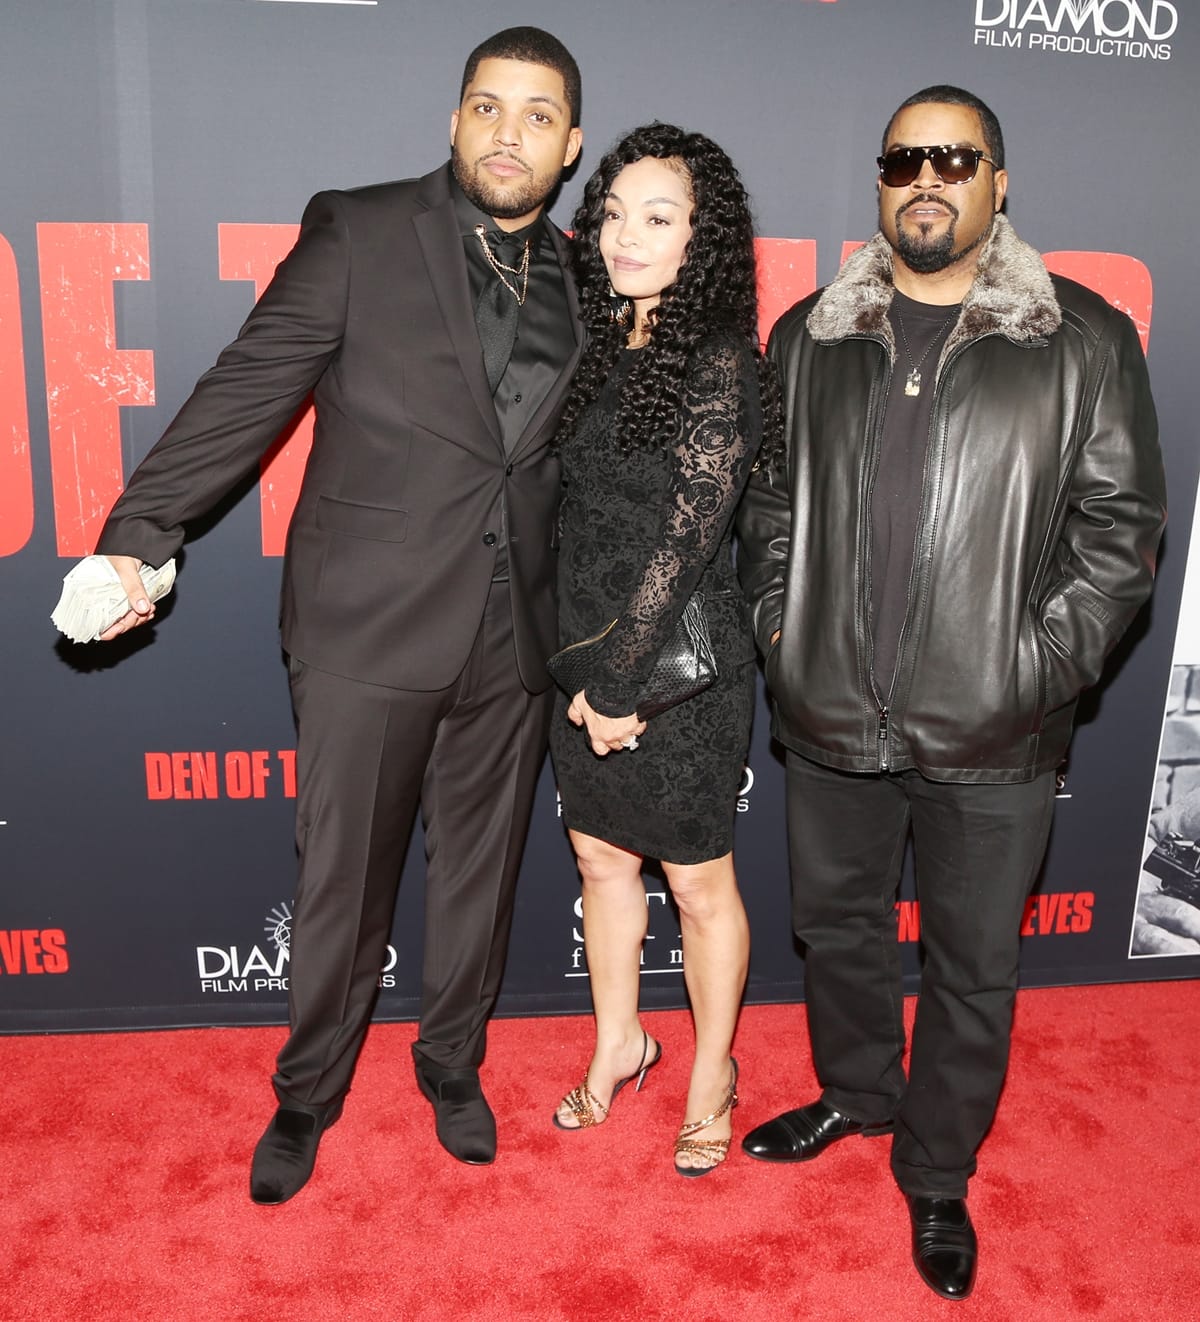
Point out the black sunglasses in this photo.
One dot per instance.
(952, 164)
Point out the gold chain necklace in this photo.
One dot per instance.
(520, 272)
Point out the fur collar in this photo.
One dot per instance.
(1012, 296)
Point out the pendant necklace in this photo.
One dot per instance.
(912, 382)
(520, 273)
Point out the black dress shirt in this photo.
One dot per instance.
(545, 341)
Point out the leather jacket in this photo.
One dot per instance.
(1043, 503)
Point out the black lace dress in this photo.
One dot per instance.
(640, 531)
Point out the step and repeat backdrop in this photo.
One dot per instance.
(156, 157)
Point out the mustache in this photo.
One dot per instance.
(505, 156)
(925, 199)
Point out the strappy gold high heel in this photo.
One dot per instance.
(715, 1149)
(584, 1104)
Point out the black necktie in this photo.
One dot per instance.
(497, 311)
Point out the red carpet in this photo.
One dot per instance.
(125, 1164)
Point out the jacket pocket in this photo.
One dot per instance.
(371, 522)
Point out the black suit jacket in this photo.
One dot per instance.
(392, 546)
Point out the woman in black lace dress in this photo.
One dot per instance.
(658, 439)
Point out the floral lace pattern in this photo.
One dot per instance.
(640, 532)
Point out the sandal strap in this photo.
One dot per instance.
(583, 1105)
(695, 1126)
(716, 1148)
(642, 1066)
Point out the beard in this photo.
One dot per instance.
(518, 198)
(926, 256)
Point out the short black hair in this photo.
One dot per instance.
(943, 94)
(533, 46)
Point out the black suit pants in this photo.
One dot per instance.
(469, 755)
(978, 849)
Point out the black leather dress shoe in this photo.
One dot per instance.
(805, 1133)
(287, 1152)
(944, 1247)
(466, 1127)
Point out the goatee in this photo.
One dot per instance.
(925, 256)
(509, 203)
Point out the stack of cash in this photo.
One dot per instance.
(93, 599)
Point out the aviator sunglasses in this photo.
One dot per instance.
(952, 164)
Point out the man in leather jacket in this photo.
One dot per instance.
(968, 524)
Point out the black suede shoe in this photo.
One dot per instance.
(805, 1133)
(944, 1247)
(466, 1127)
(287, 1152)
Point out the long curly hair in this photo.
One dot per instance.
(713, 293)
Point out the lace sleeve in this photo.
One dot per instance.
(711, 458)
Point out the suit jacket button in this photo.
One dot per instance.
(508, 471)
(489, 539)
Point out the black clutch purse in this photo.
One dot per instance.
(686, 665)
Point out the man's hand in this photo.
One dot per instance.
(1165, 926)
(607, 733)
(141, 609)
(1182, 818)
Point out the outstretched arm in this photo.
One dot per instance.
(238, 407)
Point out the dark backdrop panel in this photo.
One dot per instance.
(124, 904)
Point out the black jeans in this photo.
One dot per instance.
(978, 849)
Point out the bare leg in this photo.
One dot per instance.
(614, 926)
(716, 953)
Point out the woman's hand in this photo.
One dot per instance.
(607, 733)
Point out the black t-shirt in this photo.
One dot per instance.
(920, 330)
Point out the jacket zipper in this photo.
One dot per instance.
(883, 703)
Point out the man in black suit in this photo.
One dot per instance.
(435, 322)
